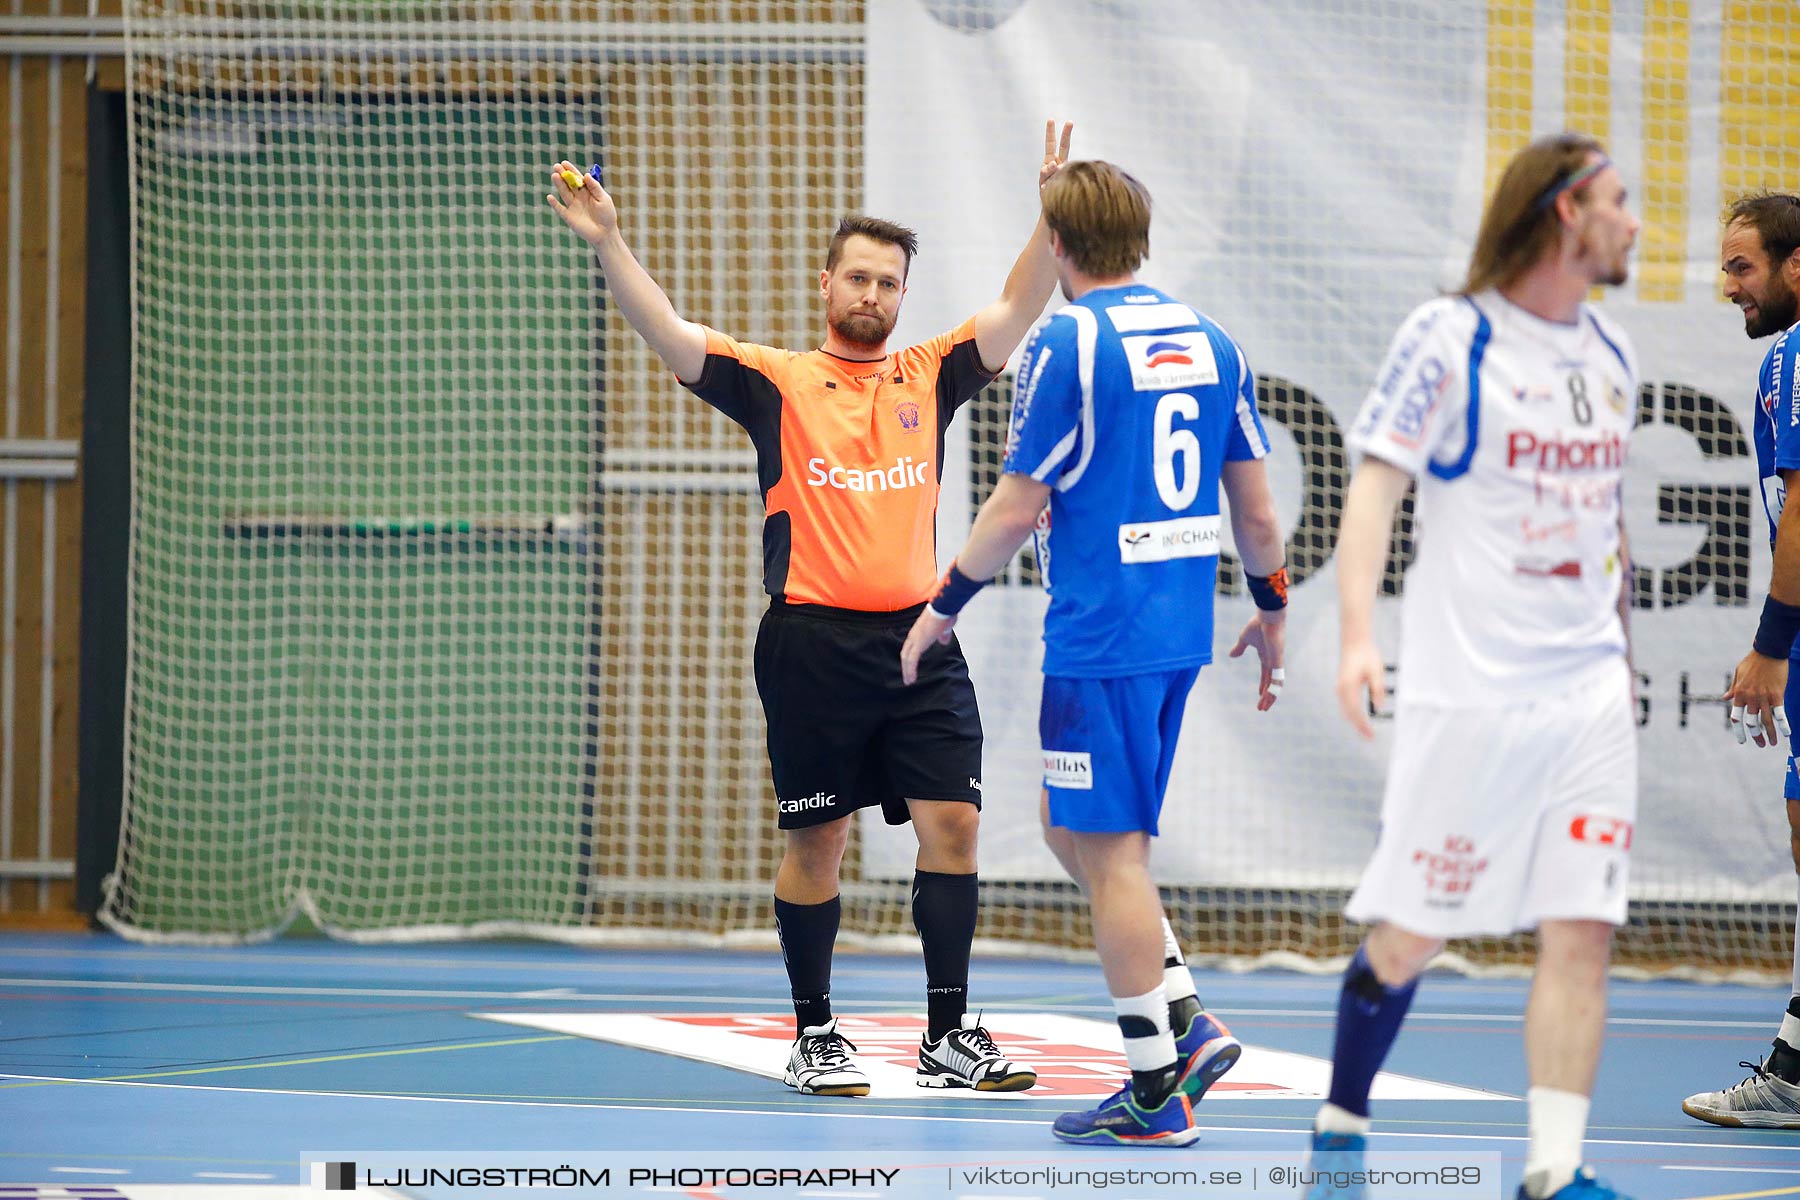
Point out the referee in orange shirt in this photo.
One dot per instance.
(849, 448)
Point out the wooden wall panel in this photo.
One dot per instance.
(71, 318)
(43, 173)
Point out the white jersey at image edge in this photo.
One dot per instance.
(1516, 430)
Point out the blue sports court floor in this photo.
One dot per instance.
(139, 1071)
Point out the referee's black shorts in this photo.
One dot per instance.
(845, 733)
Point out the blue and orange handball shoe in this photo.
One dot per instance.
(1585, 1186)
(1118, 1121)
(1205, 1051)
(1336, 1166)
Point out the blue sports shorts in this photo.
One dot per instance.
(1109, 745)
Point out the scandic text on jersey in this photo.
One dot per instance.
(903, 474)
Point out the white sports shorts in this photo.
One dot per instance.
(1495, 819)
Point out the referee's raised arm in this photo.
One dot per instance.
(1002, 325)
(588, 210)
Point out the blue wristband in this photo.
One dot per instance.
(1270, 592)
(958, 589)
(1775, 632)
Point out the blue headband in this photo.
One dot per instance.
(1575, 180)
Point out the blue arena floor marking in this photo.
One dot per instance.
(181, 1067)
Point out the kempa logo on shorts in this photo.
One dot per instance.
(1160, 541)
(816, 800)
(907, 473)
(1068, 769)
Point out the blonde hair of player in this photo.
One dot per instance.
(1520, 225)
(1101, 215)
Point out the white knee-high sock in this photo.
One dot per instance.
(1796, 991)
(1144, 1022)
(1557, 1123)
(1178, 981)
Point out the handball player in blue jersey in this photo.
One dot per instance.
(1131, 412)
(1762, 277)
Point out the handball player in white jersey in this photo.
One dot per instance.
(1512, 790)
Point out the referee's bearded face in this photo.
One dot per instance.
(1607, 230)
(1761, 289)
(863, 292)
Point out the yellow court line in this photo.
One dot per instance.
(1793, 1191)
(303, 1062)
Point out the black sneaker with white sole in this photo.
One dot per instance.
(820, 1064)
(968, 1058)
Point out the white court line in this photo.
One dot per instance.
(90, 1170)
(780, 1002)
(1742, 1170)
(677, 1108)
(1513, 1018)
(873, 967)
(663, 998)
(592, 967)
(814, 1114)
(229, 1175)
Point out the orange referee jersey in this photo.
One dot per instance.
(849, 455)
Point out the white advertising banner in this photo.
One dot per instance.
(1318, 171)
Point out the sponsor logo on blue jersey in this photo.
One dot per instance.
(1163, 354)
(1031, 370)
(1793, 395)
(1160, 541)
(1163, 362)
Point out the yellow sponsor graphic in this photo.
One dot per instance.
(1758, 105)
(1587, 67)
(1587, 72)
(1662, 243)
(1759, 100)
(1509, 38)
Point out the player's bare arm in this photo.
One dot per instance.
(1256, 530)
(1374, 496)
(1001, 527)
(586, 208)
(1760, 681)
(1002, 325)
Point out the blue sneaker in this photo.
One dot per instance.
(1585, 1186)
(1334, 1156)
(1120, 1121)
(1206, 1051)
